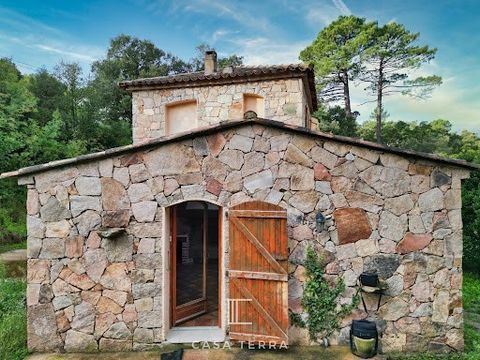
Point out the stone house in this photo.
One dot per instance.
(198, 230)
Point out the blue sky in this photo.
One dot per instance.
(41, 33)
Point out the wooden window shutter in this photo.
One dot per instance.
(258, 265)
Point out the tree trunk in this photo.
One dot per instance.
(379, 111)
(346, 94)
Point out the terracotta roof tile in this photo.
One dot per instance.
(227, 75)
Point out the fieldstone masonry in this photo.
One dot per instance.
(95, 234)
(285, 101)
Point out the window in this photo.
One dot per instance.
(180, 117)
(252, 102)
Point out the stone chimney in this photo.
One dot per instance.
(210, 62)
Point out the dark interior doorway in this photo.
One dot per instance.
(195, 263)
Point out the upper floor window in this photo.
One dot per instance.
(181, 116)
(255, 103)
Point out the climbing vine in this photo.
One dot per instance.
(320, 301)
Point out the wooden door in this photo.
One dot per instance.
(258, 299)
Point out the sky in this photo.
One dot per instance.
(38, 34)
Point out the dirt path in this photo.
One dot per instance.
(294, 353)
(15, 262)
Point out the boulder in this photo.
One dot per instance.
(139, 192)
(79, 204)
(88, 221)
(115, 218)
(53, 248)
(216, 142)
(394, 309)
(232, 158)
(262, 180)
(95, 263)
(59, 229)
(144, 211)
(413, 242)
(114, 196)
(76, 341)
(171, 159)
(42, 329)
(53, 210)
(392, 227)
(116, 278)
(138, 173)
(352, 225)
(384, 265)
(84, 318)
(74, 246)
(118, 331)
(150, 319)
(431, 200)
(88, 185)
(304, 201)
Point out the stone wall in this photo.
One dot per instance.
(285, 101)
(398, 216)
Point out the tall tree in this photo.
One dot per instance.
(50, 94)
(127, 58)
(335, 54)
(391, 56)
(70, 75)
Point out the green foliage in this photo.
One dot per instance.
(13, 323)
(335, 54)
(335, 120)
(320, 300)
(471, 222)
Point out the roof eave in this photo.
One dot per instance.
(231, 124)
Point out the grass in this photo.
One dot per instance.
(14, 246)
(13, 318)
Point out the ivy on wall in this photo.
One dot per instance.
(320, 301)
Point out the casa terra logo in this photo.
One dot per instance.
(234, 318)
(248, 345)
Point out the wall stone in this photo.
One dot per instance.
(86, 292)
(284, 100)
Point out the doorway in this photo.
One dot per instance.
(195, 257)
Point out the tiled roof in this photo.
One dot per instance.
(229, 125)
(228, 75)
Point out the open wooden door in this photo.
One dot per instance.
(188, 261)
(258, 301)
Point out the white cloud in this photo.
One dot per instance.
(340, 5)
(263, 50)
(240, 12)
(25, 38)
(68, 54)
(324, 13)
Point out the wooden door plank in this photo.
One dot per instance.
(248, 295)
(257, 275)
(261, 214)
(258, 245)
